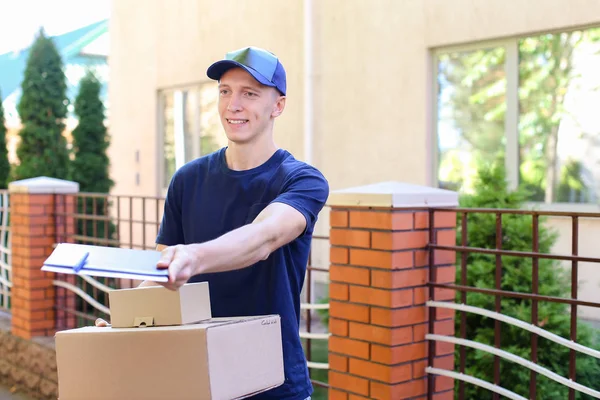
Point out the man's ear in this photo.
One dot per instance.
(278, 107)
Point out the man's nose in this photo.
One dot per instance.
(234, 103)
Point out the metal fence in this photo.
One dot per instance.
(133, 222)
(316, 355)
(500, 253)
(5, 251)
(106, 220)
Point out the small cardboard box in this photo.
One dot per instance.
(230, 358)
(159, 306)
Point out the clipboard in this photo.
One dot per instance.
(110, 262)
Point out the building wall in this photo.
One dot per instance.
(372, 76)
(588, 278)
(375, 75)
(132, 95)
(166, 44)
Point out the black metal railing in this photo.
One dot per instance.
(106, 220)
(497, 255)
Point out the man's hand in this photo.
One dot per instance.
(182, 263)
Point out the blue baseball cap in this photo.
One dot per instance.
(263, 65)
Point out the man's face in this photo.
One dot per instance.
(246, 107)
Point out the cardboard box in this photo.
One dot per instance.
(159, 306)
(220, 359)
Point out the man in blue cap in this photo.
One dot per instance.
(242, 218)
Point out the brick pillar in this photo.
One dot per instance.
(34, 230)
(379, 270)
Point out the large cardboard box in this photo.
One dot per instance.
(159, 306)
(219, 359)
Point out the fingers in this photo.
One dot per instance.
(166, 257)
(179, 262)
(176, 269)
(101, 323)
(176, 281)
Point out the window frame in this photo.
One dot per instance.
(511, 119)
(160, 128)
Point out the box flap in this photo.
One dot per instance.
(245, 357)
(195, 302)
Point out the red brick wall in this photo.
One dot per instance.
(378, 318)
(65, 229)
(33, 228)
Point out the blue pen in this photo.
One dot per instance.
(77, 267)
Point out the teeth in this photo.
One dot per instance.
(237, 121)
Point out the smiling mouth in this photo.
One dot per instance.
(236, 121)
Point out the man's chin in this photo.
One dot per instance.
(239, 137)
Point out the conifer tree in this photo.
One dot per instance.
(91, 163)
(4, 164)
(43, 109)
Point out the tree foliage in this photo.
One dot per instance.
(474, 97)
(90, 139)
(517, 234)
(91, 163)
(43, 109)
(4, 163)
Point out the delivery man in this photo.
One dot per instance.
(242, 218)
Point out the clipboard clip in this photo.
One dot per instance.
(81, 263)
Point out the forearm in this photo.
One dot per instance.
(237, 249)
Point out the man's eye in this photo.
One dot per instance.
(224, 92)
(250, 94)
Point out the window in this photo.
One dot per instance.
(529, 102)
(190, 126)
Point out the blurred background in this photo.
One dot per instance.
(423, 92)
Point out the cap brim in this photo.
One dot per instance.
(217, 70)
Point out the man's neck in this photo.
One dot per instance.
(246, 156)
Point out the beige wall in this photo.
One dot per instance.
(132, 96)
(372, 75)
(171, 43)
(375, 75)
(372, 91)
(466, 21)
(588, 273)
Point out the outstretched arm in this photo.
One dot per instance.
(277, 225)
(294, 211)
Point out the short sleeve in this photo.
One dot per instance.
(307, 191)
(170, 232)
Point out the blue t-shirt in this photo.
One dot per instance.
(206, 199)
